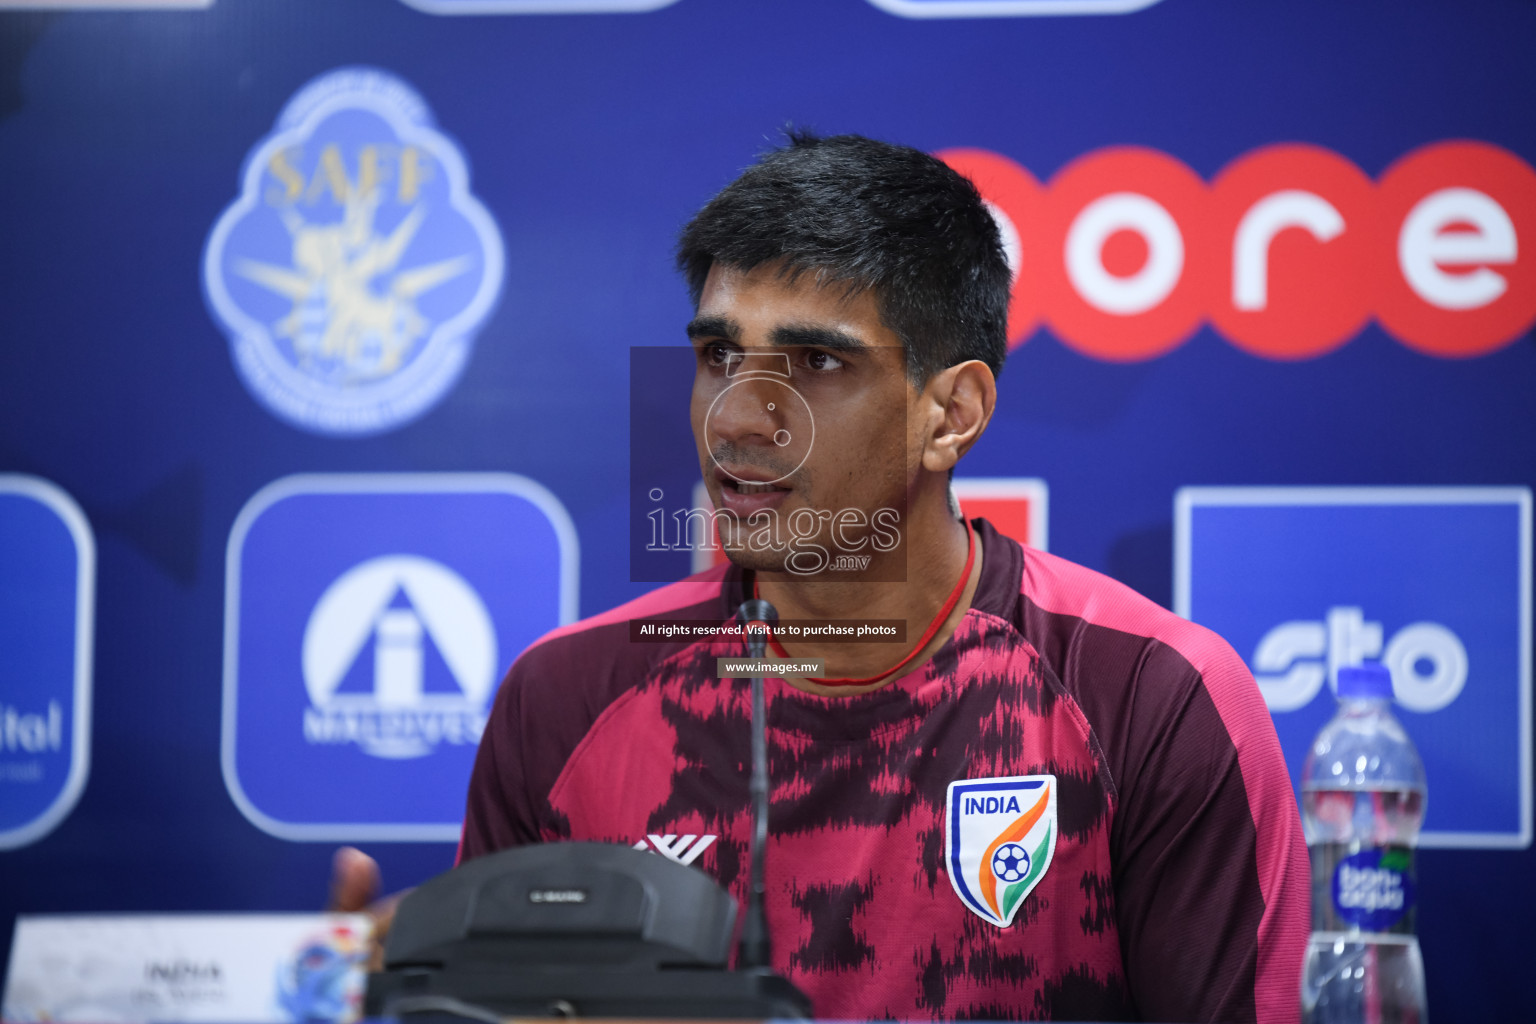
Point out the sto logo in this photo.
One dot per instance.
(1428, 662)
(999, 838)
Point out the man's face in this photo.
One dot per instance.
(799, 412)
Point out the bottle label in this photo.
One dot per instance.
(1373, 889)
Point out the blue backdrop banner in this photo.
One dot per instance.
(345, 324)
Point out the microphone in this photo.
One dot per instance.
(757, 618)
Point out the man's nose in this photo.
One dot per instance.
(750, 411)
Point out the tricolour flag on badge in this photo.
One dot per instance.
(999, 837)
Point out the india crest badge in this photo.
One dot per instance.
(999, 837)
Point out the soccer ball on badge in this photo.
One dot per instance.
(1010, 863)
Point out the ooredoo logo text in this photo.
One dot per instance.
(1287, 253)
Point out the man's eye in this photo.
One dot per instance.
(823, 361)
(716, 354)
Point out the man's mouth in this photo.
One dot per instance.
(750, 479)
(747, 489)
(742, 487)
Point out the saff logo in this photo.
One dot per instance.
(1433, 582)
(368, 619)
(355, 267)
(999, 838)
(401, 607)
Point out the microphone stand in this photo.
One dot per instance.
(757, 617)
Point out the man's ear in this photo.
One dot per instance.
(959, 402)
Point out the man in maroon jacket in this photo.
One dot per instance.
(1054, 799)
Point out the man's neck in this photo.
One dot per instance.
(934, 561)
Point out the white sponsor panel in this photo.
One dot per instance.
(211, 968)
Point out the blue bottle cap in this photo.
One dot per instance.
(1370, 681)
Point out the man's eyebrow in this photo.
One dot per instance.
(809, 336)
(714, 327)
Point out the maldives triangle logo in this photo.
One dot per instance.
(999, 838)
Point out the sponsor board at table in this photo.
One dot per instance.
(213, 968)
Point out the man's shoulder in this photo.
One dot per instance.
(1137, 669)
(1059, 588)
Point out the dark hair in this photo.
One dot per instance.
(875, 216)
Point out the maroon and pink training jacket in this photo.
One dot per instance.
(1178, 889)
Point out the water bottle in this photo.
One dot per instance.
(1362, 802)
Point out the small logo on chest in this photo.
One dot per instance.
(683, 849)
(999, 837)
